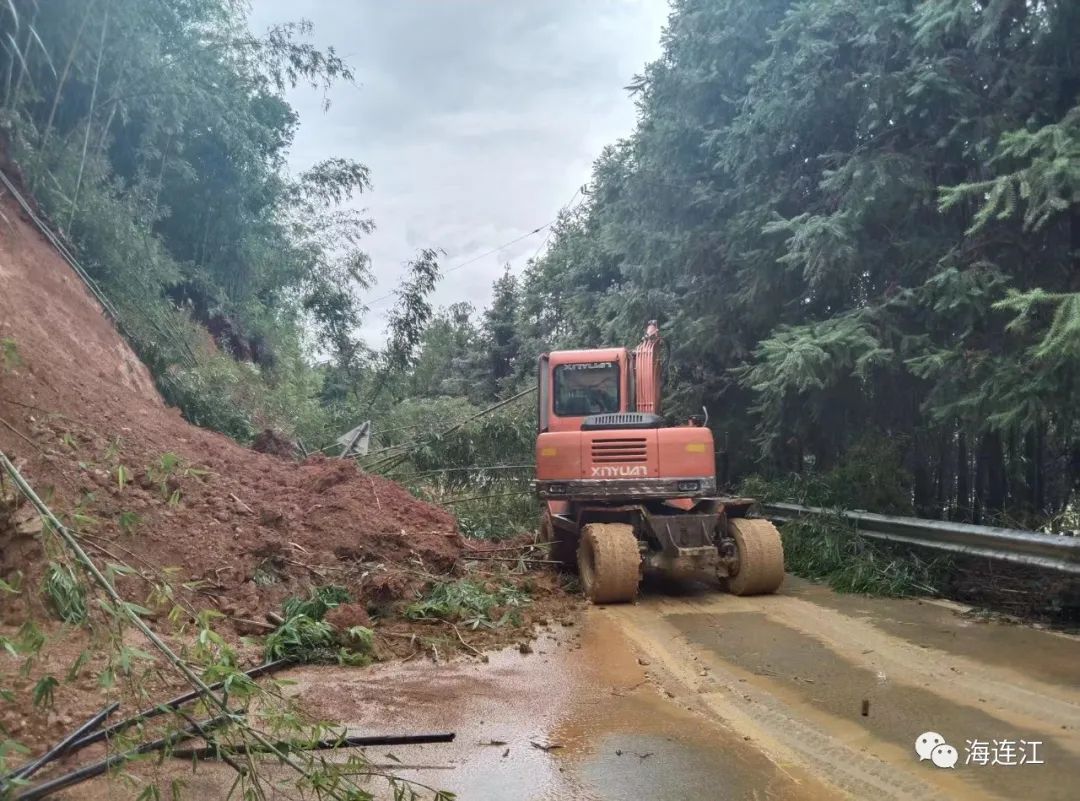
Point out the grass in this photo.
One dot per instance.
(9, 354)
(306, 637)
(65, 594)
(45, 692)
(871, 477)
(320, 601)
(470, 603)
(128, 522)
(831, 551)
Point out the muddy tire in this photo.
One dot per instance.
(563, 545)
(609, 563)
(761, 557)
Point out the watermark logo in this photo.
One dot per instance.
(932, 746)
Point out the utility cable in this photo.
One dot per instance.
(56, 240)
(474, 259)
(477, 258)
(469, 469)
(519, 494)
(566, 207)
(409, 445)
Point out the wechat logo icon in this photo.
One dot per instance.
(931, 745)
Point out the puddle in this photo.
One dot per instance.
(802, 669)
(672, 770)
(627, 740)
(579, 718)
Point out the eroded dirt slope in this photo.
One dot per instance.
(85, 407)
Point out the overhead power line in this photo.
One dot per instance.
(475, 259)
(545, 227)
(407, 446)
(564, 209)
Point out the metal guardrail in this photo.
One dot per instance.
(1050, 551)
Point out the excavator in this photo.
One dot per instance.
(623, 492)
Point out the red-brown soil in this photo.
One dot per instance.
(85, 407)
(274, 443)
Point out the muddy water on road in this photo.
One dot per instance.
(579, 718)
(693, 694)
(629, 738)
(951, 628)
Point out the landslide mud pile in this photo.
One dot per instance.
(82, 419)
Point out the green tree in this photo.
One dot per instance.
(499, 333)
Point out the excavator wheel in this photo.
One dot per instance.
(609, 562)
(563, 545)
(761, 557)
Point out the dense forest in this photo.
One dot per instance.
(857, 221)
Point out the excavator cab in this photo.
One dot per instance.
(624, 492)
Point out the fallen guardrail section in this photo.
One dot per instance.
(1050, 551)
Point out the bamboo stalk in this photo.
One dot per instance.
(23, 57)
(170, 705)
(90, 114)
(51, 786)
(481, 497)
(63, 78)
(212, 752)
(64, 746)
(450, 430)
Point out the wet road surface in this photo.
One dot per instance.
(694, 694)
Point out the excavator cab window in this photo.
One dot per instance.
(586, 388)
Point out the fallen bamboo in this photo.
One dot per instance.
(61, 748)
(372, 465)
(519, 547)
(171, 705)
(18, 433)
(529, 559)
(213, 752)
(72, 543)
(47, 788)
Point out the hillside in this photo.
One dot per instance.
(75, 390)
(239, 529)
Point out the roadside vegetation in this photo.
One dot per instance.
(471, 603)
(853, 220)
(833, 552)
(305, 636)
(830, 550)
(860, 228)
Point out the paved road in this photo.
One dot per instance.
(691, 694)
(793, 674)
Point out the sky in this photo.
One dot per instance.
(479, 119)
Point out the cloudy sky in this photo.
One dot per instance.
(478, 119)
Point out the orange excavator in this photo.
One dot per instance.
(623, 492)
